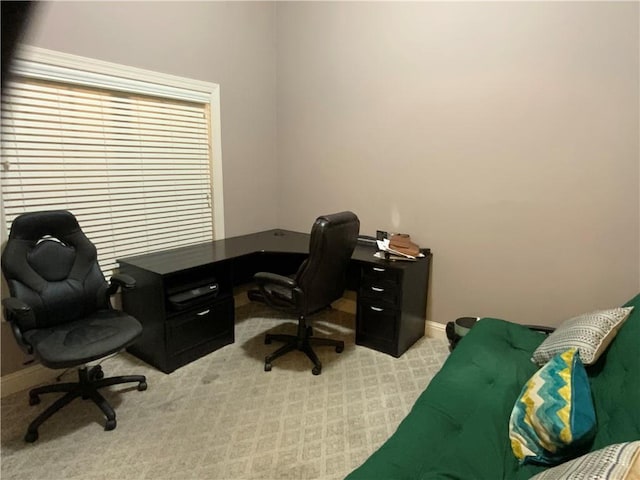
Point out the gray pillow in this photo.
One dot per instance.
(620, 461)
(591, 333)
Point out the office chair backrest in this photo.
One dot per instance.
(51, 265)
(322, 277)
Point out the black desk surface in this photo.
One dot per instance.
(182, 258)
(270, 241)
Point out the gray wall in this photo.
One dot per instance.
(502, 135)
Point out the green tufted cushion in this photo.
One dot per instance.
(459, 425)
(458, 428)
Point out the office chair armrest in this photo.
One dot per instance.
(18, 313)
(16, 309)
(263, 278)
(266, 279)
(120, 280)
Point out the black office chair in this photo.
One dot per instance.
(320, 280)
(60, 311)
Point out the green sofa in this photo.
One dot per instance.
(459, 426)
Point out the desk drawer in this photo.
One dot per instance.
(198, 326)
(379, 273)
(385, 293)
(377, 326)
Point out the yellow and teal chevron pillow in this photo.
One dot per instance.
(553, 416)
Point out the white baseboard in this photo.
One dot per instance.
(435, 329)
(26, 378)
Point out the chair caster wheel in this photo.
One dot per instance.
(316, 370)
(31, 437)
(142, 386)
(340, 349)
(110, 425)
(267, 367)
(96, 373)
(34, 400)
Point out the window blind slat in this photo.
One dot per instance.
(18, 88)
(70, 123)
(100, 110)
(134, 139)
(52, 104)
(35, 129)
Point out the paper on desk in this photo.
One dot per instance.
(392, 257)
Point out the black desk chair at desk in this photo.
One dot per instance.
(320, 280)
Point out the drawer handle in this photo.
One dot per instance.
(203, 313)
(378, 269)
(377, 289)
(377, 309)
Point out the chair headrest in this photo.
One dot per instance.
(33, 226)
(339, 218)
(60, 280)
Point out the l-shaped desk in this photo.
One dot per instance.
(391, 296)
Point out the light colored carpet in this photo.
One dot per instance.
(223, 417)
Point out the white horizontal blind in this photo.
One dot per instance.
(135, 170)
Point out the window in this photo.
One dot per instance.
(135, 155)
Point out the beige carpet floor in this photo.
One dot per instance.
(223, 417)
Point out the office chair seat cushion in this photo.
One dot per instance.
(92, 337)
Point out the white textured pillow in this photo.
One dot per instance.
(620, 461)
(591, 333)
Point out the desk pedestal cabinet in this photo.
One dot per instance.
(391, 310)
(174, 337)
(392, 303)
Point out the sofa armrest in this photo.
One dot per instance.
(541, 328)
